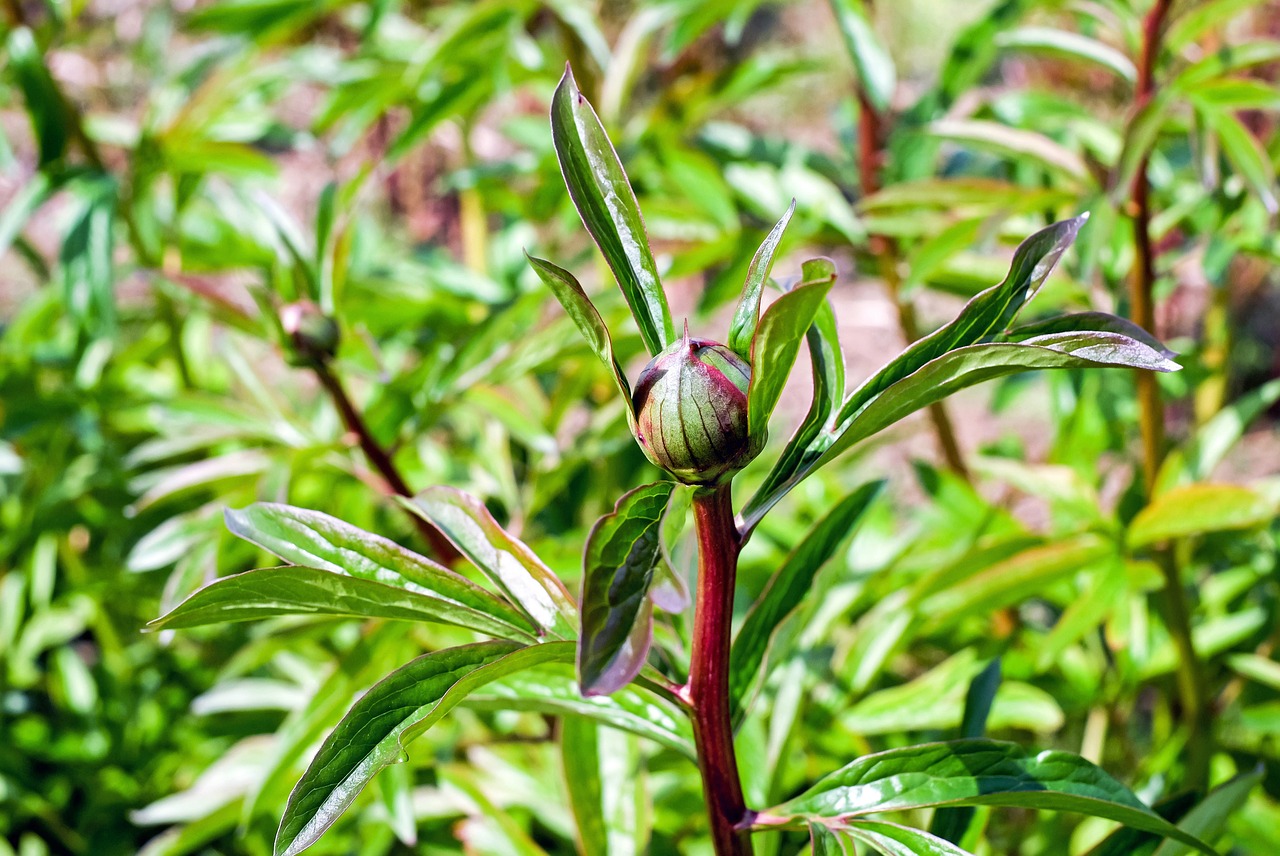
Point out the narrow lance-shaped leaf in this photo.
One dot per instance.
(316, 540)
(983, 317)
(272, 592)
(579, 307)
(951, 822)
(789, 585)
(1087, 322)
(747, 316)
(826, 360)
(777, 341)
(973, 772)
(395, 711)
(877, 77)
(603, 196)
(965, 367)
(45, 105)
(1197, 509)
(617, 615)
(507, 561)
(893, 839)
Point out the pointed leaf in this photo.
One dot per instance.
(1073, 46)
(507, 561)
(789, 585)
(777, 341)
(891, 839)
(578, 306)
(1080, 322)
(617, 616)
(876, 74)
(952, 822)
(46, 108)
(603, 196)
(1208, 819)
(316, 540)
(747, 316)
(376, 730)
(272, 592)
(1197, 509)
(975, 772)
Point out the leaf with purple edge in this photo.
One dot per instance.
(622, 552)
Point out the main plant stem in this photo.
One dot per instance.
(708, 693)
(381, 459)
(1192, 688)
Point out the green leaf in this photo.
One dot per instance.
(891, 839)
(1074, 46)
(1195, 460)
(87, 255)
(985, 316)
(876, 74)
(1200, 18)
(271, 592)
(604, 198)
(617, 616)
(952, 822)
(826, 360)
(507, 561)
(777, 341)
(1197, 509)
(1017, 143)
(376, 730)
(605, 792)
(50, 120)
(580, 755)
(22, 205)
(1208, 819)
(965, 367)
(1088, 322)
(553, 689)
(974, 772)
(317, 540)
(788, 587)
(747, 316)
(1246, 154)
(578, 306)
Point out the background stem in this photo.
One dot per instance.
(1192, 687)
(381, 460)
(718, 546)
(884, 251)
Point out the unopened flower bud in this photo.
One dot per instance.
(313, 334)
(691, 411)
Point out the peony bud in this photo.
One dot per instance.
(691, 411)
(313, 334)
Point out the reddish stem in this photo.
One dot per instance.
(381, 460)
(708, 694)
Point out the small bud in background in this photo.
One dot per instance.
(313, 334)
(691, 411)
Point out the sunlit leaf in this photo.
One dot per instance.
(747, 316)
(603, 195)
(1197, 509)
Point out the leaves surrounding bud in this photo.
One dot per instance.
(691, 411)
(313, 334)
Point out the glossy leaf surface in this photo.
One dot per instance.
(976, 772)
(602, 193)
(296, 590)
(376, 730)
(747, 316)
(506, 560)
(622, 552)
(316, 540)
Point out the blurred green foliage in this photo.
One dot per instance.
(173, 174)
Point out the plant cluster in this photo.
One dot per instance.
(637, 596)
